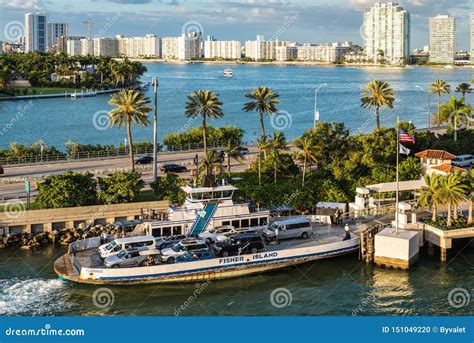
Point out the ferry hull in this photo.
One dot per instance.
(214, 269)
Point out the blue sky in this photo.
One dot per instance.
(314, 21)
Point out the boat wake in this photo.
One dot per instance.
(33, 297)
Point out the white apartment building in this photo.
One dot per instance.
(442, 39)
(387, 33)
(55, 31)
(261, 49)
(87, 46)
(106, 47)
(222, 49)
(327, 52)
(73, 47)
(286, 53)
(189, 46)
(148, 46)
(472, 37)
(35, 32)
(169, 48)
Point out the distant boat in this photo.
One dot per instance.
(228, 72)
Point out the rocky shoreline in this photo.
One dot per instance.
(63, 236)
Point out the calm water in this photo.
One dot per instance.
(340, 286)
(59, 120)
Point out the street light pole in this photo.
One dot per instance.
(316, 112)
(155, 129)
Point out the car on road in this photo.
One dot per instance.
(173, 168)
(243, 243)
(463, 161)
(132, 257)
(144, 160)
(170, 255)
(244, 151)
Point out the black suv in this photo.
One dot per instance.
(173, 168)
(144, 160)
(239, 244)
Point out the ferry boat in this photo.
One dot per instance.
(205, 208)
(228, 72)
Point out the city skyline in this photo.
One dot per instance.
(311, 21)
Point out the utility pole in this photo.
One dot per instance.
(316, 112)
(155, 129)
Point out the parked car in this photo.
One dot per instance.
(144, 160)
(239, 244)
(288, 228)
(166, 242)
(118, 244)
(244, 151)
(173, 168)
(170, 255)
(463, 161)
(218, 233)
(194, 256)
(132, 257)
(225, 236)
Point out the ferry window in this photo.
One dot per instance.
(254, 222)
(167, 231)
(156, 232)
(244, 223)
(236, 223)
(227, 222)
(176, 230)
(263, 221)
(227, 194)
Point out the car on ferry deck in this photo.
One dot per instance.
(170, 255)
(288, 228)
(218, 233)
(243, 243)
(166, 242)
(132, 257)
(118, 244)
(194, 256)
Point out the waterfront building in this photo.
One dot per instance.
(189, 46)
(387, 33)
(106, 47)
(472, 37)
(87, 46)
(215, 49)
(35, 32)
(286, 53)
(148, 46)
(261, 49)
(327, 52)
(73, 47)
(169, 48)
(442, 39)
(54, 31)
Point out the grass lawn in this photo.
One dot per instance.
(46, 90)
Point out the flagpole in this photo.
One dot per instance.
(396, 197)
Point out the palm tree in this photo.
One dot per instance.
(452, 111)
(464, 88)
(206, 104)
(233, 150)
(276, 144)
(430, 194)
(469, 179)
(453, 190)
(439, 87)
(131, 108)
(263, 100)
(308, 152)
(377, 94)
(214, 159)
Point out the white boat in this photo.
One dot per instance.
(205, 207)
(228, 72)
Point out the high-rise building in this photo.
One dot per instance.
(442, 39)
(327, 52)
(472, 38)
(55, 31)
(73, 47)
(286, 53)
(169, 48)
(35, 32)
(148, 46)
(264, 50)
(387, 33)
(222, 49)
(106, 47)
(87, 46)
(189, 46)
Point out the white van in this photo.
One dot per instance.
(463, 161)
(288, 228)
(118, 244)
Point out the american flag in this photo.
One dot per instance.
(405, 137)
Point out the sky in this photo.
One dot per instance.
(304, 21)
